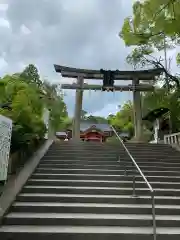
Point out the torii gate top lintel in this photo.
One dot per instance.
(70, 72)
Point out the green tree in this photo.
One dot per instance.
(53, 100)
(123, 120)
(151, 21)
(83, 114)
(31, 75)
(67, 123)
(178, 59)
(28, 100)
(96, 119)
(153, 27)
(26, 112)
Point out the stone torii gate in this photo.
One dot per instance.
(135, 87)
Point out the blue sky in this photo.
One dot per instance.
(78, 33)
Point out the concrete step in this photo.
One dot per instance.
(108, 167)
(100, 198)
(114, 158)
(105, 171)
(149, 156)
(113, 151)
(116, 149)
(98, 190)
(80, 156)
(85, 164)
(110, 162)
(100, 183)
(144, 163)
(79, 191)
(106, 177)
(146, 145)
(152, 168)
(95, 208)
(109, 145)
(106, 154)
(80, 151)
(88, 233)
(78, 219)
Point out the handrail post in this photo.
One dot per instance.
(134, 185)
(153, 215)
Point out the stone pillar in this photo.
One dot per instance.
(138, 127)
(78, 110)
(156, 130)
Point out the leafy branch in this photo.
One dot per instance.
(142, 57)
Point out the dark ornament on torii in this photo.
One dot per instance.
(108, 77)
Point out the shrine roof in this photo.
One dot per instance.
(155, 114)
(70, 72)
(101, 126)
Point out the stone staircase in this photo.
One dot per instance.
(79, 192)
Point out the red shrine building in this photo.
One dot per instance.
(93, 132)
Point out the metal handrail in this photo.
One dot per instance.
(145, 180)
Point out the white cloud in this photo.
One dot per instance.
(3, 65)
(109, 109)
(74, 33)
(4, 23)
(25, 30)
(3, 7)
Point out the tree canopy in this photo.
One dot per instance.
(123, 119)
(151, 21)
(27, 96)
(153, 27)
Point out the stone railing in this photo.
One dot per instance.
(172, 139)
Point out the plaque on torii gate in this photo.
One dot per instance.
(136, 87)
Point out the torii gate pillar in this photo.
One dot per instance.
(78, 109)
(138, 125)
